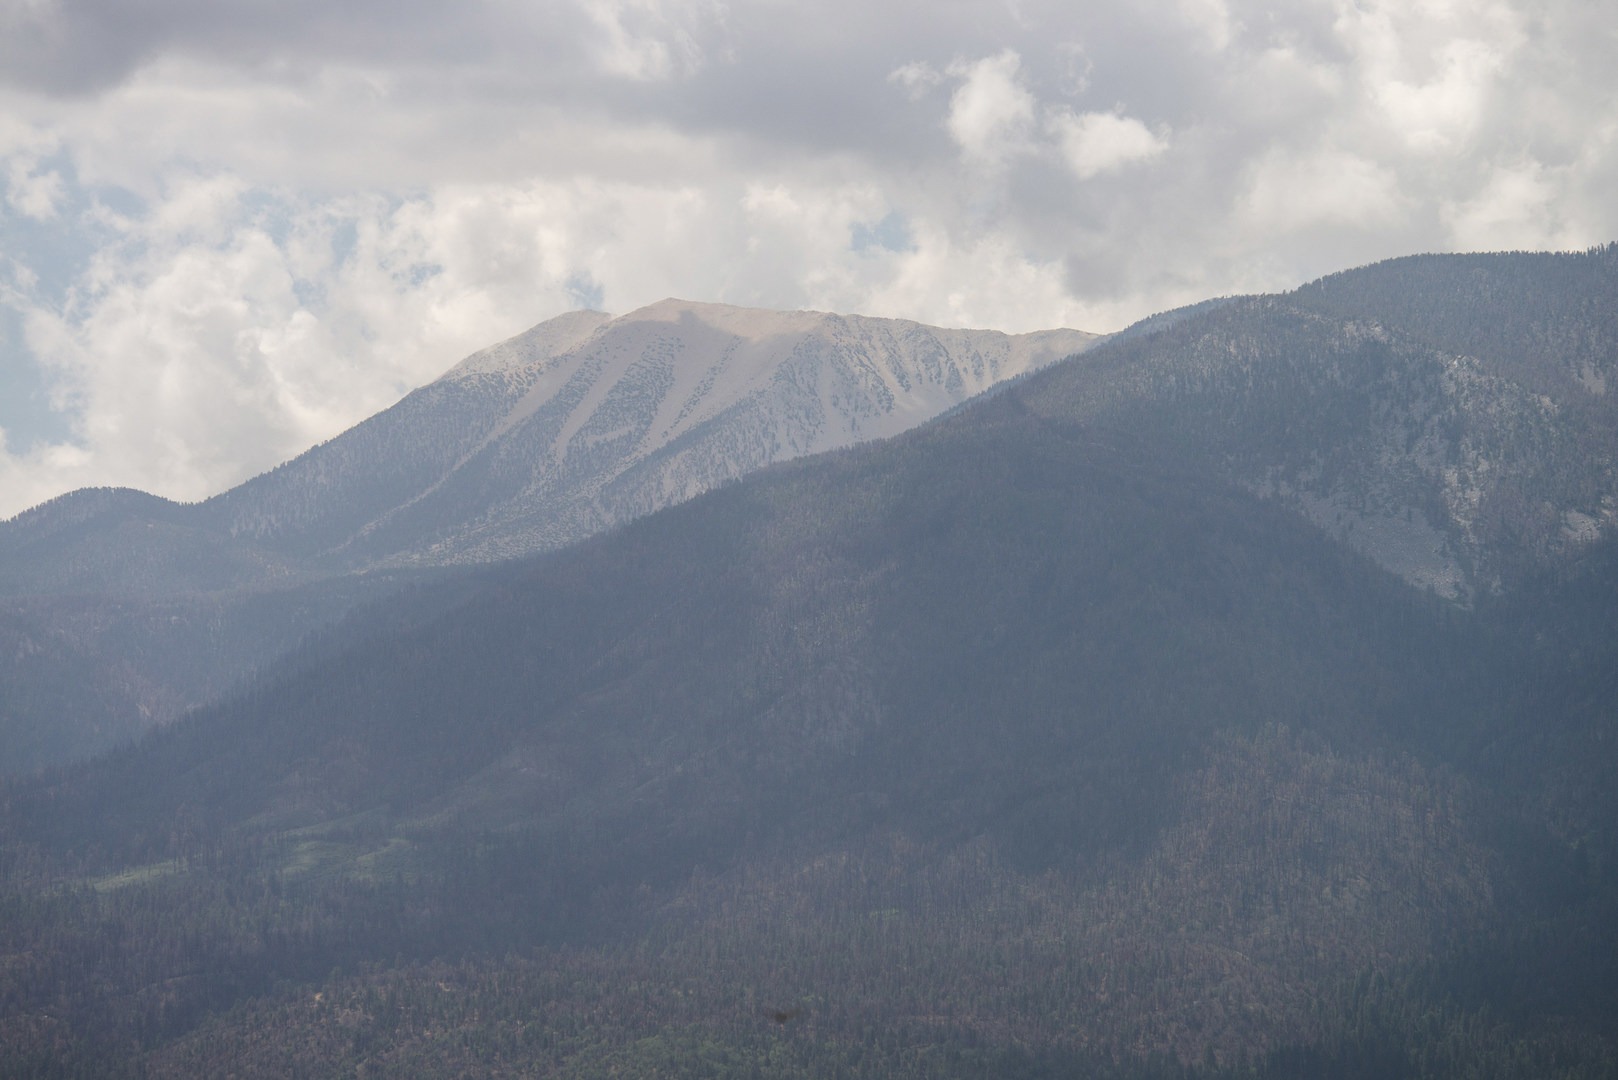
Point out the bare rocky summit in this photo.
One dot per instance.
(588, 421)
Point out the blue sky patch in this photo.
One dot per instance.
(892, 233)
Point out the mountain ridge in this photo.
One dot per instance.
(765, 386)
(849, 378)
(1069, 734)
(576, 425)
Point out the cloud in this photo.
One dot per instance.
(646, 41)
(228, 328)
(1288, 192)
(991, 113)
(212, 339)
(1447, 109)
(225, 330)
(1210, 19)
(1098, 142)
(77, 47)
(948, 280)
(916, 78)
(229, 228)
(33, 188)
(1515, 208)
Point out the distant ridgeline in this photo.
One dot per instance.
(578, 425)
(1236, 698)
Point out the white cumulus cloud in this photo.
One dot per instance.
(1098, 142)
(991, 113)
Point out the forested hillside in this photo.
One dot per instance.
(1071, 734)
(84, 670)
(1443, 414)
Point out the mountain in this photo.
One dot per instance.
(1069, 734)
(1449, 416)
(1025, 658)
(580, 424)
(81, 673)
(586, 422)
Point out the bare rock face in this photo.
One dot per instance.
(587, 421)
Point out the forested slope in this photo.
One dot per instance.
(1072, 734)
(1008, 738)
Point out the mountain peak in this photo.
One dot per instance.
(550, 338)
(752, 324)
(588, 420)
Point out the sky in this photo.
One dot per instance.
(230, 229)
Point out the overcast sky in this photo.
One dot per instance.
(231, 228)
